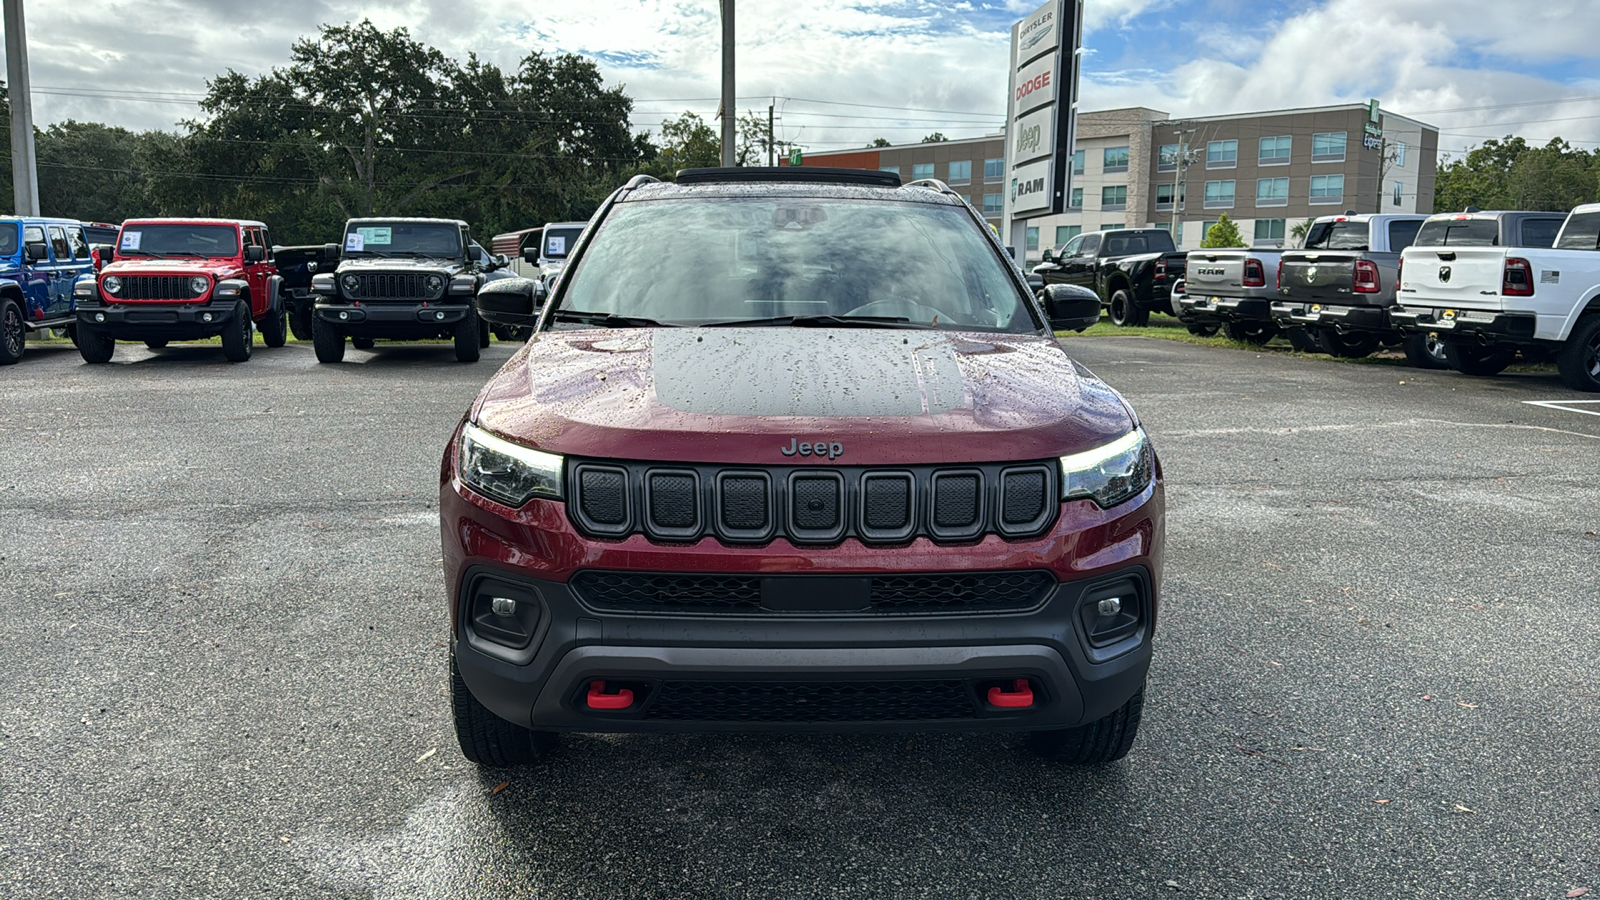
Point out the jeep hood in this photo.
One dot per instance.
(398, 264)
(176, 265)
(736, 395)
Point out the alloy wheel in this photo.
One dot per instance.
(13, 331)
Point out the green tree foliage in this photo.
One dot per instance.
(935, 138)
(1223, 234)
(687, 142)
(1300, 230)
(1511, 174)
(879, 142)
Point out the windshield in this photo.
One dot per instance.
(558, 242)
(1337, 236)
(8, 240)
(148, 239)
(719, 260)
(436, 239)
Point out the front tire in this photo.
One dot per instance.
(1094, 744)
(1478, 359)
(483, 334)
(466, 335)
(487, 739)
(328, 341)
(1347, 344)
(1257, 333)
(300, 323)
(13, 333)
(95, 346)
(1579, 358)
(1426, 351)
(275, 328)
(238, 337)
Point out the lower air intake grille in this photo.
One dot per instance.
(950, 593)
(982, 591)
(775, 701)
(633, 591)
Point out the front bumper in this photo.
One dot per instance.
(393, 320)
(158, 321)
(1488, 326)
(712, 670)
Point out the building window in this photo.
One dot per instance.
(1077, 198)
(920, 171)
(1399, 191)
(1328, 146)
(1164, 194)
(1066, 233)
(1268, 230)
(1114, 197)
(1115, 159)
(893, 170)
(1033, 238)
(994, 204)
(1167, 158)
(961, 172)
(1272, 192)
(994, 169)
(1167, 227)
(1275, 150)
(1327, 189)
(1400, 154)
(1077, 162)
(1222, 154)
(1219, 195)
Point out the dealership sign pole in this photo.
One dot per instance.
(1041, 116)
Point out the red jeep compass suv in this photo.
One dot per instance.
(795, 449)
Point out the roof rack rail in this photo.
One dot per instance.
(639, 180)
(935, 184)
(791, 174)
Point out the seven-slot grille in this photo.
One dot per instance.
(939, 592)
(394, 286)
(157, 287)
(812, 505)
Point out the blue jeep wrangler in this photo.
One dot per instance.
(40, 259)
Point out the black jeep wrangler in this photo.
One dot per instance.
(400, 279)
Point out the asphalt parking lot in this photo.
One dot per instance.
(222, 637)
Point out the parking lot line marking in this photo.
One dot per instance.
(1566, 405)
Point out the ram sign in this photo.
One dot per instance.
(1042, 108)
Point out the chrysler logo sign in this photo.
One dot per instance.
(1037, 30)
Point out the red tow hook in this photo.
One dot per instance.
(1019, 697)
(623, 698)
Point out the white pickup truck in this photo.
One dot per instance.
(1487, 303)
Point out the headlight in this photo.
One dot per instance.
(509, 473)
(350, 283)
(112, 284)
(199, 284)
(435, 284)
(1112, 474)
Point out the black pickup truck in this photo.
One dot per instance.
(1132, 269)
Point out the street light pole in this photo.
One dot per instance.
(24, 165)
(728, 114)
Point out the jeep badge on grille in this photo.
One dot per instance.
(832, 450)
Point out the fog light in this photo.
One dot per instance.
(503, 613)
(344, 315)
(205, 317)
(1110, 606)
(99, 317)
(503, 606)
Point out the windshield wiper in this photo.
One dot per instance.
(823, 322)
(194, 253)
(606, 320)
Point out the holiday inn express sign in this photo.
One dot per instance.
(1042, 108)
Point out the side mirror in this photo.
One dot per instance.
(1049, 256)
(530, 254)
(1070, 307)
(102, 254)
(501, 260)
(255, 253)
(37, 251)
(510, 301)
(330, 251)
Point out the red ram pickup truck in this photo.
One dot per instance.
(183, 280)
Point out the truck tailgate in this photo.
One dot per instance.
(1466, 277)
(1318, 277)
(1222, 275)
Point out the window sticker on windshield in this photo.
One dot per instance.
(377, 235)
(130, 239)
(355, 242)
(556, 246)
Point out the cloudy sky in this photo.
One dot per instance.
(846, 71)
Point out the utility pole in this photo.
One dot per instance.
(772, 149)
(1178, 183)
(728, 106)
(24, 165)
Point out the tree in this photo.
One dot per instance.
(1223, 234)
(97, 172)
(687, 142)
(755, 144)
(1300, 230)
(1510, 174)
(879, 142)
(935, 138)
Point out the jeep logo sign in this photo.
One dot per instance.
(1027, 141)
(830, 449)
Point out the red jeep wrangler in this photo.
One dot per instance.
(182, 280)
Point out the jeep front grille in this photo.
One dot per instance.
(393, 286)
(156, 287)
(812, 505)
(940, 592)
